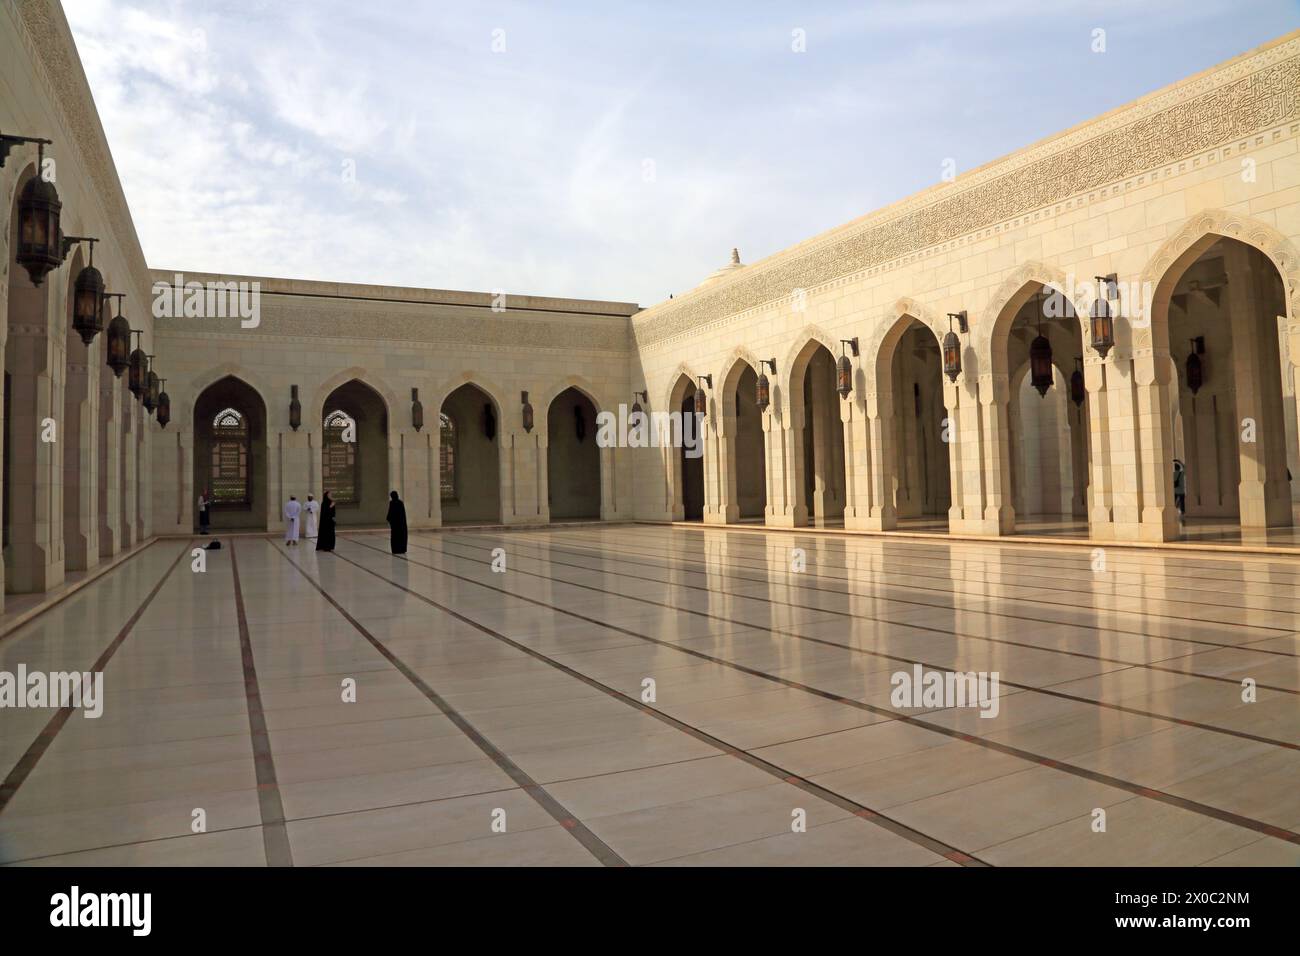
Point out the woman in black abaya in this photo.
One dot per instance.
(325, 540)
(397, 522)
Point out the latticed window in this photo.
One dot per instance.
(447, 457)
(229, 475)
(340, 467)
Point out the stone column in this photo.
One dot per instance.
(77, 434)
(110, 464)
(1100, 490)
(999, 514)
(883, 513)
(130, 464)
(1263, 492)
(728, 504)
(35, 561)
(858, 475)
(543, 477)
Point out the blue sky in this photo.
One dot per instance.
(610, 150)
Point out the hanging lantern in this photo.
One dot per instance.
(701, 396)
(88, 301)
(952, 346)
(40, 246)
(1078, 392)
(295, 408)
(951, 355)
(417, 410)
(636, 404)
(527, 411)
(763, 388)
(489, 422)
(579, 424)
(844, 368)
(151, 387)
(137, 380)
(1040, 364)
(164, 406)
(1195, 368)
(1103, 324)
(119, 342)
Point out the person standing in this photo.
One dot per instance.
(326, 540)
(204, 517)
(397, 523)
(292, 508)
(1180, 488)
(312, 510)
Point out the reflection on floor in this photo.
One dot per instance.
(653, 695)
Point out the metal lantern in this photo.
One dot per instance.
(151, 387)
(636, 404)
(1103, 323)
(1077, 390)
(844, 368)
(1040, 364)
(527, 411)
(295, 408)
(119, 342)
(1195, 368)
(489, 422)
(137, 380)
(763, 388)
(417, 410)
(952, 346)
(951, 355)
(701, 396)
(40, 247)
(164, 406)
(88, 300)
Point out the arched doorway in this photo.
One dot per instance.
(354, 453)
(230, 456)
(814, 400)
(915, 429)
(81, 378)
(572, 457)
(687, 463)
(469, 469)
(745, 444)
(1039, 343)
(1225, 319)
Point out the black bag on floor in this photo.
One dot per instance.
(212, 546)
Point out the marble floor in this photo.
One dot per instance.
(650, 695)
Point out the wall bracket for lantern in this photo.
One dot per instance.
(8, 142)
(963, 324)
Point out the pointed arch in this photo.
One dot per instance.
(355, 373)
(797, 358)
(994, 327)
(231, 462)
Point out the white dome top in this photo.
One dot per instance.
(734, 265)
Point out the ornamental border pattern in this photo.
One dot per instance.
(1189, 119)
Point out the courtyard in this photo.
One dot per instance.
(660, 695)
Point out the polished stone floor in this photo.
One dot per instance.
(506, 717)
